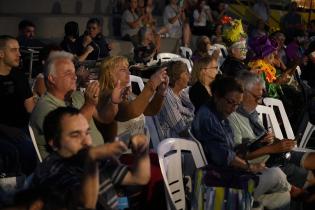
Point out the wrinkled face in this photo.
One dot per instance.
(183, 80)
(229, 103)
(64, 77)
(253, 96)
(122, 73)
(239, 50)
(93, 29)
(209, 73)
(75, 135)
(10, 54)
(29, 32)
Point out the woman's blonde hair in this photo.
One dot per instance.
(198, 66)
(108, 65)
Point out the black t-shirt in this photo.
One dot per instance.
(99, 44)
(233, 67)
(14, 89)
(198, 95)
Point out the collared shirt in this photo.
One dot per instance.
(176, 114)
(243, 131)
(215, 134)
(65, 175)
(48, 103)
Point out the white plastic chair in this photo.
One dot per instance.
(170, 159)
(272, 102)
(310, 128)
(155, 135)
(185, 52)
(268, 113)
(199, 146)
(167, 56)
(34, 143)
(138, 80)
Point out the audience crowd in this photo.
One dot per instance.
(81, 141)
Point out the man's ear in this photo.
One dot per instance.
(51, 144)
(51, 79)
(37, 205)
(1, 54)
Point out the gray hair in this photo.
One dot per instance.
(250, 79)
(50, 67)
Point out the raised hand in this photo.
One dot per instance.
(118, 93)
(92, 93)
(139, 144)
(158, 77)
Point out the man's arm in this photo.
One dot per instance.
(29, 104)
(140, 173)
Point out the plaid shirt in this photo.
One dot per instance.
(176, 114)
(65, 174)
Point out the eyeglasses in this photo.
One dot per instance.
(256, 97)
(231, 102)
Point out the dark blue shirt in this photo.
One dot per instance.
(215, 134)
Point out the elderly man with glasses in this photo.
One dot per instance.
(246, 126)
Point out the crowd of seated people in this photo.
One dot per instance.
(82, 134)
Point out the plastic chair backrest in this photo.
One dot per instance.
(138, 80)
(269, 114)
(186, 52)
(167, 56)
(34, 143)
(272, 102)
(155, 136)
(199, 146)
(170, 159)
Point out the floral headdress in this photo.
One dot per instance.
(233, 31)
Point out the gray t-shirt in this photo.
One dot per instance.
(48, 103)
(175, 29)
(128, 17)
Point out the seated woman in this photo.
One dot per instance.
(131, 111)
(203, 49)
(146, 46)
(203, 73)
(212, 129)
(177, 111)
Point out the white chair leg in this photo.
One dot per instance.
(307, 135)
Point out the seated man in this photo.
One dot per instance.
(26, 37)
(247, 126)
(67, 132)
(212, 129)
(60, 82)
(17, 102)
(93, 37)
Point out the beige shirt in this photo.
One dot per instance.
(242, 130)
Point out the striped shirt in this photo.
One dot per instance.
(65, 174)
